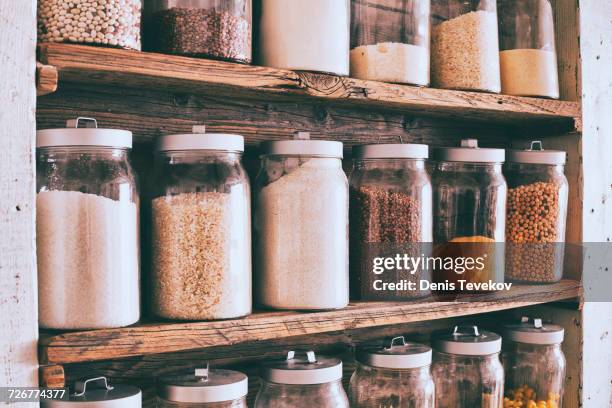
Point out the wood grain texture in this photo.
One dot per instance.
(52, 376)
(567, 30)
(18, 293)
(124, 69)
(46, 79)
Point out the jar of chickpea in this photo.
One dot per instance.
(534, 365)
(536, 214)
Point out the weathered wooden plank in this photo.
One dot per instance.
(52, 376)
(46, 79)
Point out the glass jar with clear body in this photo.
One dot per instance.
(469, 212)
(301, 226)
(217, 29)
(390, 41)
(302, 382)
(201, 228)
(395, 376)
(87, 230)
(536, 214)
(467, 369)
(528, 55)
(534, 365)
(390, 211)
(464, 45)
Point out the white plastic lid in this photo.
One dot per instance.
(468, 341)
(315, 148)
(89, 135)
(399, 355)
(391, 151)
(205, 386)
(469, 152)
(537, 155)
(534, 332)
(200, 140)
(308, 369)
(103, 396)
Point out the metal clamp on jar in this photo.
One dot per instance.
(97, 393)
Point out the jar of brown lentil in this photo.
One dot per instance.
(536, 214)
(390, 214)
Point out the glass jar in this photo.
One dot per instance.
(537, 213)
(301, 226)
(87, 236)
(308, 35)
(528, 56)
(465, 49)
(217, 29)
(201, 228)
(467, 369)
(308, 381)
(205, 389)
(112, 23)
(97, 393)
(390, 41)
(469, 213)
(390, 213)
(534, 365)
(395, 376)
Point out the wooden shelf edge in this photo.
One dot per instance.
(122, 68)
(46, 79)
(147, 339)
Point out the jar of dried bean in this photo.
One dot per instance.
(390, 213)
(302, 381)
(467, 369)
(536, 214)
(397, 375)
(201, 28)
(534, 364)
(469, 214)
(112, 23)
(206, 388)
(201, 228)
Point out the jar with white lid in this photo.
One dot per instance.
(97, 393)
(534, 364)
(201, 228)
(464, 45)
(469, 212)
(536, 214)
(214, 388)
(87, 233)
(307, 381)
(390, 213)
(390, 41)
(305, 35)
(528, 55)
(394, 376)
(467, 369)
(301, 226)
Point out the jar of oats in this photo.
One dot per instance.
(536, 214)
(201, 228)
(112, 23)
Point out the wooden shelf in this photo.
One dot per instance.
(131, 69)
(147, 339)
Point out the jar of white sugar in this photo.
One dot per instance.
(528, 56)
(201, 228)
(390, 41)
(308, 35)
(301, 226)
(464, 45)
(87, 237)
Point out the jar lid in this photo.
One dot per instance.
(204, 386)
(198, 139)
(309, 369)
(468, 341)
(89, 135)
(399, 354)
(391, 151)
(315, 148)
(537, 155)
(469, 152)
(534, 332)
(96, 392)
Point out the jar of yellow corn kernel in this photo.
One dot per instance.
(534, 365)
